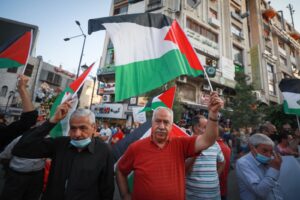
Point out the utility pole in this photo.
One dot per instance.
(290, 7)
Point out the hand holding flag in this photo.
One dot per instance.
(61, 111)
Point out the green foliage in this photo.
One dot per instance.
(276, 115)
(242, 109)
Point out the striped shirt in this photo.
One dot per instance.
(203, 181)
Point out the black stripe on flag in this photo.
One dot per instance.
(120, 147)
(290, 85)
(156, 20)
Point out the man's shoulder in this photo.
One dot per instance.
(245, 160)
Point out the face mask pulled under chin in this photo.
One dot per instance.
(80, 143)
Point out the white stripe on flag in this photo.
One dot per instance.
(292, 99)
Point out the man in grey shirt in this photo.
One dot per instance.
(25, 176)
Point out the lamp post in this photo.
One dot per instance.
(94, 79)
(84, 36)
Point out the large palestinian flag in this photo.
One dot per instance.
(290, 89)
(62, 128)
(15, 54)
(165, 99)
(150, 50)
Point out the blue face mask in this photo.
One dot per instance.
(262, 159)
(81, 143)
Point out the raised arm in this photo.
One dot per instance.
(209, 137)
(33, 143)
(24, 94)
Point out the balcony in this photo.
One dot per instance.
(282, 51)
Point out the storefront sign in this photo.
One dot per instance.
(109, 111)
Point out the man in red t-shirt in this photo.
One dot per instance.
(158, 160)
(119, 135)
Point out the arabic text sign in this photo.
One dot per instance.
(109, 111)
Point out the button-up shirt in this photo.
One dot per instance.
(257, 181)
(74, 175)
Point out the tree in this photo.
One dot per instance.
(242, 109)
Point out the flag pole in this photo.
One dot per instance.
(298, 122)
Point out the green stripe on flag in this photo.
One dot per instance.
(158, 72)
(288, 110)
(8, 63)
(58, 130)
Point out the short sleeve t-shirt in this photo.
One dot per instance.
(158, 172)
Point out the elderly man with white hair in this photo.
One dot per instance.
(258, 171)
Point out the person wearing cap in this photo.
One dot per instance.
(258, 171)
(158, 161)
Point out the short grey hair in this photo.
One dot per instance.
(162, 108)
(260, 138)
(81, 112)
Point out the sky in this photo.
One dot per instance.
(56, 21)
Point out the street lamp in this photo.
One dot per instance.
(84, 36)
(94, 79)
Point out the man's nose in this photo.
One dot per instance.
(77, 132)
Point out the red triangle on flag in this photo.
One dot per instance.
(168, 97)
(176, 35)
(75, 85)
(19, 50)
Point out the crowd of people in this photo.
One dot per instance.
(193, 167)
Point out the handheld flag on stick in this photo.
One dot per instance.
(150, 50)
(165, 99)
(62, 128)
(290, 89)
(16, 54)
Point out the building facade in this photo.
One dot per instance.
(228, 35)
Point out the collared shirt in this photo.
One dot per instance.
(203, 180)
(74, 175)
(21, 164)
(257, 181)
(158, 172)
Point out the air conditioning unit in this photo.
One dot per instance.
(257, 95)
(214, 22)
(206, 87)
(106, 98)
(219, 91)
(182, 79)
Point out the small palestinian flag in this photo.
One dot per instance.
(290, 89)
(150, 50)
(16, 53)
(165, 99)
(62, 128)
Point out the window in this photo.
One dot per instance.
(269, 49)
(57, 79)
(213, 13)
(3, 91)
(281, 44)
(194, 26)
(50, 77)
(283, 61)
(109, 59)
(28, 70)
(271, 79)
(206, 59)
(237, 55)
(193, 3)
(236, 30)
(121, 10)
(293, 54)
(12, 70)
